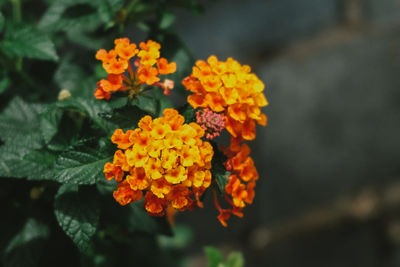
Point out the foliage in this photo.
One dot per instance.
(215, 258)
(59, 207)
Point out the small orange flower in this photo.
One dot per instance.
(148, 65)
(163, 158)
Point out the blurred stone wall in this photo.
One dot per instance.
(332, 74)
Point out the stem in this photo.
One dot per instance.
(17, 15)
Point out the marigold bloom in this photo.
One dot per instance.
(164, 159)
(229, 88)
(148, 65)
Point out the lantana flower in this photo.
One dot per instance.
(163, 160)
(231, 89)
(121, 74)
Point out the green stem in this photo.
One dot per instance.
(17, 14)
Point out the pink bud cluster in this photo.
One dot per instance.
(212, 123)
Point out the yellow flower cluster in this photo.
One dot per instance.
(163, 158)
(230, 88)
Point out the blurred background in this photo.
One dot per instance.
(329, 187)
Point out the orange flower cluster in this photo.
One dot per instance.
(117, 61)
(239, 190)
(164, 159)
(227, 86)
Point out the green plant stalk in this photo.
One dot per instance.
(17, 15)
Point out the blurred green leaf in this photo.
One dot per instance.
(235, 259)
(28, 42)
(80, 167)
(214, 256)
(5, 82)
(166, 21)
(107, 10)
(26, 247)
(2, 20)
(77, 211)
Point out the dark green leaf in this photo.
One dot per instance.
(19, 124)
(49, 122)
(77, 211)
(142, 222)
(214, 256)
(80, 167)
(219, 173)
(107, 10)
(19, 162)
(28, 42)
(66, 15)
(26, 247)
(235, 259)
(187, 112)
(126, 117)
(91, 107)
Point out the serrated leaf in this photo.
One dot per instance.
(19, 162)
(28, 42)
(26, 247)
(79, 167)
(214, 256)
(19, 124)
(92, 108)
(49, 122)
(77, 211)
(235, 259)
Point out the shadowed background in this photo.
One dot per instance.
(328, 193)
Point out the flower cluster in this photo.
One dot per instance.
(117, 61)
(164, 159)
(241, 182)
(212, 123)
(230, 88)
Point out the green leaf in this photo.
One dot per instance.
(219, 173)
(1, 21)
(19, 162)
(80, 167)
(65, 15)
(49, 122)
(214, 256)
(126, 117)
(28, 42)
(187, 112)
(107, 10)
(5, 82)
(26, 247)
(235, 259)
(77, 211)
(142, 222)
(166, 21)
(19, 124)
(93, 108)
